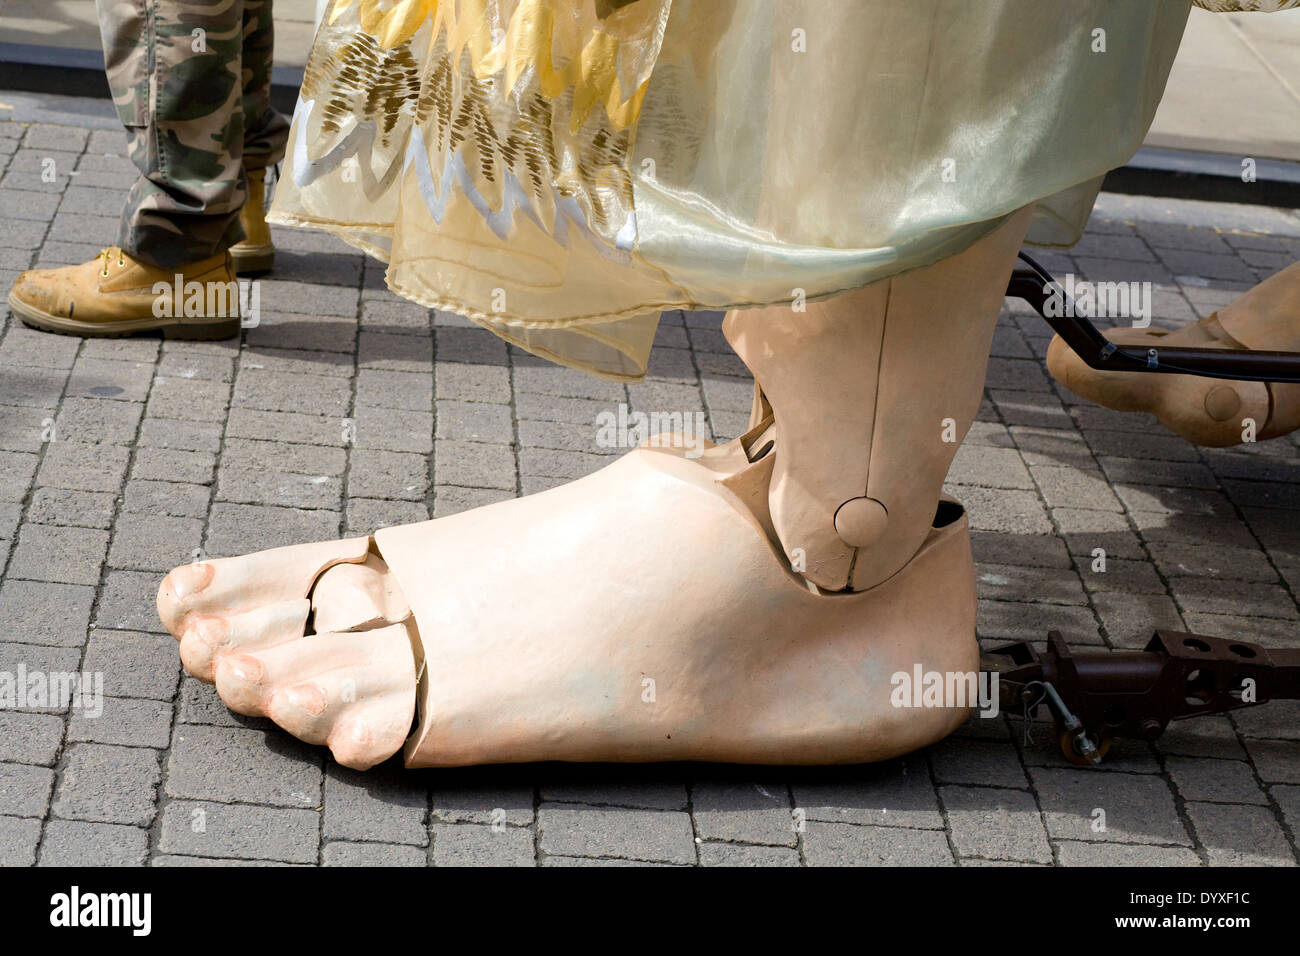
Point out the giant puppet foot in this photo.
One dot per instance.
(644, 612)
(1206, 411)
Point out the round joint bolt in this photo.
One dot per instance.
(1222, 402)
(861, 521)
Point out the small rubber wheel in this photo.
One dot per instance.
(1066, 740)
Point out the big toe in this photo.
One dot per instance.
(231, 585)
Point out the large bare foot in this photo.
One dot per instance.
(641, 613)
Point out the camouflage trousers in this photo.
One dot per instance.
(191, 80)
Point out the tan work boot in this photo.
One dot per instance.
(114, 295)
(254, 254)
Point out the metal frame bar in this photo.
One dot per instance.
(1036, 286)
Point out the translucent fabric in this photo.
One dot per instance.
(561, 171)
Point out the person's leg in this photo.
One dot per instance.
(185, 125)
(752, 604)
(1206, 411)
(265, 132)
(174, 68)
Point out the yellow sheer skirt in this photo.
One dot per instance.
(561, 171)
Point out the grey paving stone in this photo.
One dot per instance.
(371, 854)
(1203, 737)
(134, 664)
(407, 391)
(996, 824)
(1138, 808)
(95, 421)
(984, 763)
(169, 498)
(1007, 511)
(649, 835)
(283, 457)
(107, 784)
(365, 515)
(181, 435)
(476, 346)
(188, 399)
(16, 473)
(288, 392)
(390, 474)
(467, 383)
(391, 429)
(738, 854)
(1071, 853)
(256, 486)
(1022, 621)
(473, 465)
(241, 529)
(154, 542)
(836, 844)
(25, 430)
(1276, 761)
(474, 421)
(78, 844)
(121, 381)
(745, 812)
(1240, 835)
(128, 601)
(1234, 597)
(1008, 582)
(468, 844)
(24, 790)
(59, 555)
(613, 788)
(334, 429)
(1037, 551)
(379, 806)
(18, 839)
(29, 738)
(1278, 719)
(1219, 781)
(33, 612)
(511, 805)
(75, 509)
(223, 831)
(896, 793)
(592, 861)
(83, 467)
(235, 764)
(1130, 619)
(126, 721)
(172, 464)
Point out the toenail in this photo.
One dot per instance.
(245, 668)
(307, 697)
(188, 580)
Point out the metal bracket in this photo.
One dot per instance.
(1097, 694)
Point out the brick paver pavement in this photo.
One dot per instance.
(348, 409)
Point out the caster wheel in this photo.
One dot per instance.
(1066, 740)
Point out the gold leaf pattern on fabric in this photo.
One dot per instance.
(602, 50)
(557, 130)
(1247, 6)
